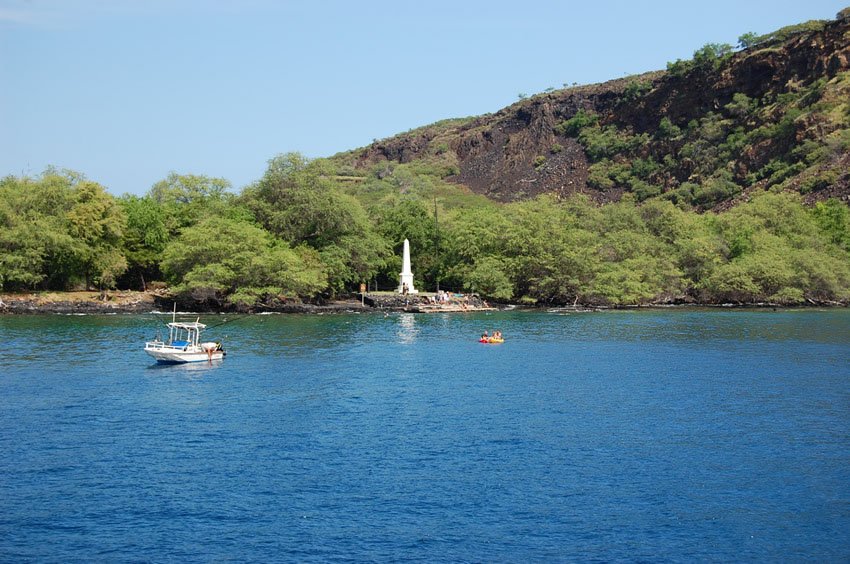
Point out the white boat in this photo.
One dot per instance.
(183, 345)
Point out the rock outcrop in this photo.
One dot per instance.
(518, 152)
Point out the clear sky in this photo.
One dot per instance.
(127, 91)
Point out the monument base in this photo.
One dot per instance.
(407, 279)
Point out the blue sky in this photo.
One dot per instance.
(127, 91)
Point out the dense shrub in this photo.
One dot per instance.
(573, 126)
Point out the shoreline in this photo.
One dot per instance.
(134, 302)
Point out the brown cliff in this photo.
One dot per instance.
(519, 153)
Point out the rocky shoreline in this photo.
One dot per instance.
(104, 303)
(80, 303)
(69, 303)
(129, 302)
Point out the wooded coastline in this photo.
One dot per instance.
(307, 242)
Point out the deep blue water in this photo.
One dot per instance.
(673, 435)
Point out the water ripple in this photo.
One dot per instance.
(626, 435)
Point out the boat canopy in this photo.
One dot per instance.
(182, 333)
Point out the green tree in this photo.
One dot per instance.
(189, 189)
(699, 248)
(36, 249)
(748, 40)
(711, 54)
(353, 259)
(219, 257)
(573, 126)
(553, 248)
(741, 106)
(297, 201)
(776, 253)
(145, 237)
(679, 68)
(488, 278)
(58, 229)
(564, 270)
(833, 219)
(410, 219)
(186, 199)
(97, 221)
(667, 130)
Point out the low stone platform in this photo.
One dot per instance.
(448, 309)
(423, 303)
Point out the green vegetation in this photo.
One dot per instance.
(753, 40)
(635, 90)
(573, 126)
(57, 228)
(710, 56)
(791, 139)
(298, 233)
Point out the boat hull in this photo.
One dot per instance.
(165, 355)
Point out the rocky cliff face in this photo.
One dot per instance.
(518, 152)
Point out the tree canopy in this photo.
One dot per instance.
(304, 231)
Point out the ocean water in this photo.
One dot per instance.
(660, 435)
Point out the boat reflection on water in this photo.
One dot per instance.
(407, 330)
(186, 366)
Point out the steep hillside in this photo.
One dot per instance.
(704, 132)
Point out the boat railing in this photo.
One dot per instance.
(176, 345)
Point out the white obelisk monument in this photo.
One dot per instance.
(406, 276)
